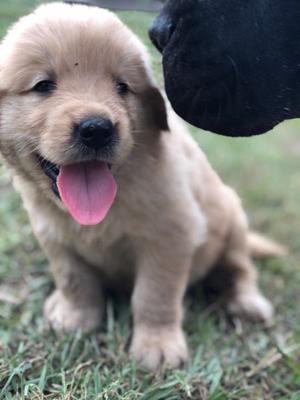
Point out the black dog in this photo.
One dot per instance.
(231, 66)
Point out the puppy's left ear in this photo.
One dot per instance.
(155, 109)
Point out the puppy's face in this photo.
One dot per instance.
(75, 90)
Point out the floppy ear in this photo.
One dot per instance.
(155, 109)
(152, 107)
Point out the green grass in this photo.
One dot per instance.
(228, 361)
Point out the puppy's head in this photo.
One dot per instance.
(75, 94)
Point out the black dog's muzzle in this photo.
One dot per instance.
(231, 67)
(160, 32)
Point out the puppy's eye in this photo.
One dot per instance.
(122, 88)
(44, 87)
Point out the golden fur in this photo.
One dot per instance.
(173, 219)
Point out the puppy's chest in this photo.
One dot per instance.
(104, 246)
(109, 249)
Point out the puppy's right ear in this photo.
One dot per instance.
(154, 106)
(151, 108)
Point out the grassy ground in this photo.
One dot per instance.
(229, 361)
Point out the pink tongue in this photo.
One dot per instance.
(87, 190)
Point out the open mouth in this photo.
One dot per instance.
(87, 189)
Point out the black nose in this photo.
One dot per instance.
(160, 32)
(96, 132)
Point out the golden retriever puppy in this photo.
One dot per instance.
(117, 195)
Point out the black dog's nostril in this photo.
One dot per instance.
(96, 132)
(160, 32)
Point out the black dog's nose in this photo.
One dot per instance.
(96, 132)
(160, 32)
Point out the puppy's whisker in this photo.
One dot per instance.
(25, 150)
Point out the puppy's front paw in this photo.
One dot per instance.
(66, 316)
(161, 347)
(252, 305)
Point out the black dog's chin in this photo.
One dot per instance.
(229, 126)
(218, 115)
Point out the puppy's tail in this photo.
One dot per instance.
(262, 247)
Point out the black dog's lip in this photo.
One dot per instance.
(161, 48)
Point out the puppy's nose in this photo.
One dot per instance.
(96, 132)
(160, 32)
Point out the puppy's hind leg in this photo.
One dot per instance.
(244, 297)
(77, 302)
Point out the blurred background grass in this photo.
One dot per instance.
(228, 361)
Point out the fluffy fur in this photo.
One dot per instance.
(173, 219)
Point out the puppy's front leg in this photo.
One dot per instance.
(157, 308)
(78, 300)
